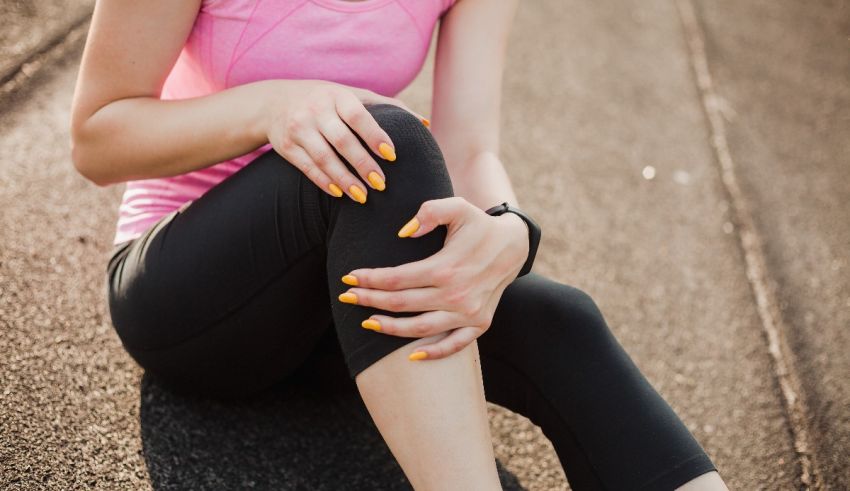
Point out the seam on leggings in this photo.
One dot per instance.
(552, 407)
(232, 311)
(121, 249)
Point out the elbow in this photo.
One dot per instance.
(85, 167)
(85, 162)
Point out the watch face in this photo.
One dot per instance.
(498, 209)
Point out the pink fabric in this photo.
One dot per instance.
(379, 45)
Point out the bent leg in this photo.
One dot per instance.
(229, 295)
(550, 356)
(432, 415)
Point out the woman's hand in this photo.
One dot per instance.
(317, 117)
(458, 288)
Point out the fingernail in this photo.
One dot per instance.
(350, 280)
(371, 324)
(358, 193)
(419, 355)
(376, 181)
(409, 228)
(426, 122)
(335, 190)
(348, 297)
(386, 151)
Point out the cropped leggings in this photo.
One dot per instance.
(231, 294)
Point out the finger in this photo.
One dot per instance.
(355, 115)
(451, 344)
(298, 157)
(435, 212)
(420, 273)
(401, 104)
(340, 136)
(418, 326)
(410, 300)
(324, 157)
(368, 97)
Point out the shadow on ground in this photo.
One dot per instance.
(311, 431)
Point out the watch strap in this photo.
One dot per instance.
(534, 232)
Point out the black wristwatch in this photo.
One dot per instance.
(534, 232)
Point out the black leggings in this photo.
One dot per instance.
(231, 295)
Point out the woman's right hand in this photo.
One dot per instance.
(318, 117)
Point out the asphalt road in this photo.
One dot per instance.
(32, 26)
(787, 85)
(594, 94)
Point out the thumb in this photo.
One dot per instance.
(433, 213)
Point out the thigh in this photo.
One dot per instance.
(230, 293)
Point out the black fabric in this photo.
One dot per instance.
(233, 293)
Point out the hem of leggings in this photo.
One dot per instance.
(362, 358)
(681, 473)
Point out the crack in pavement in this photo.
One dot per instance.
(44, 57)
(750, 241)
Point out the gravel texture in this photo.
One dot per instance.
(606, 142)
(30, 26)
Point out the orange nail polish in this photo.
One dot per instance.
(371, 324)
(335, 190)
(426, 122)
(419, 355)
(409, 228)
(358, 194)
(348, 297)
(386, 151)
(350, 280)
(376, 181)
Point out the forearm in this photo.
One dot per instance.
(145, 137)
(482, 181)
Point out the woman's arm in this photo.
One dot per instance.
(121, 130)
(465, 109)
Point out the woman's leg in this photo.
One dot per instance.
(229, 295)
(550, 356)
(432, 415)
(233, 293)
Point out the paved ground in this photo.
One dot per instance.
(787, 84)
(32, 26)
(594, 93)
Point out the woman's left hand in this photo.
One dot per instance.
(458, 288)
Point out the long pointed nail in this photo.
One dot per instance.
(409, 228)
(335, 190)
(371, 324)
(376, 181)
(386, 151)
(348, 297)
(358, 193)
(419, 355)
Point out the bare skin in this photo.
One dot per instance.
(407, 401)
(434, 419)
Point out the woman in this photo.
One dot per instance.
(252, 134)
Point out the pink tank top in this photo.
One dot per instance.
(378, 45)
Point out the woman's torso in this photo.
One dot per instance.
(378, 45)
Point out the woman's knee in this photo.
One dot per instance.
(571, 311)
(419, 171)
